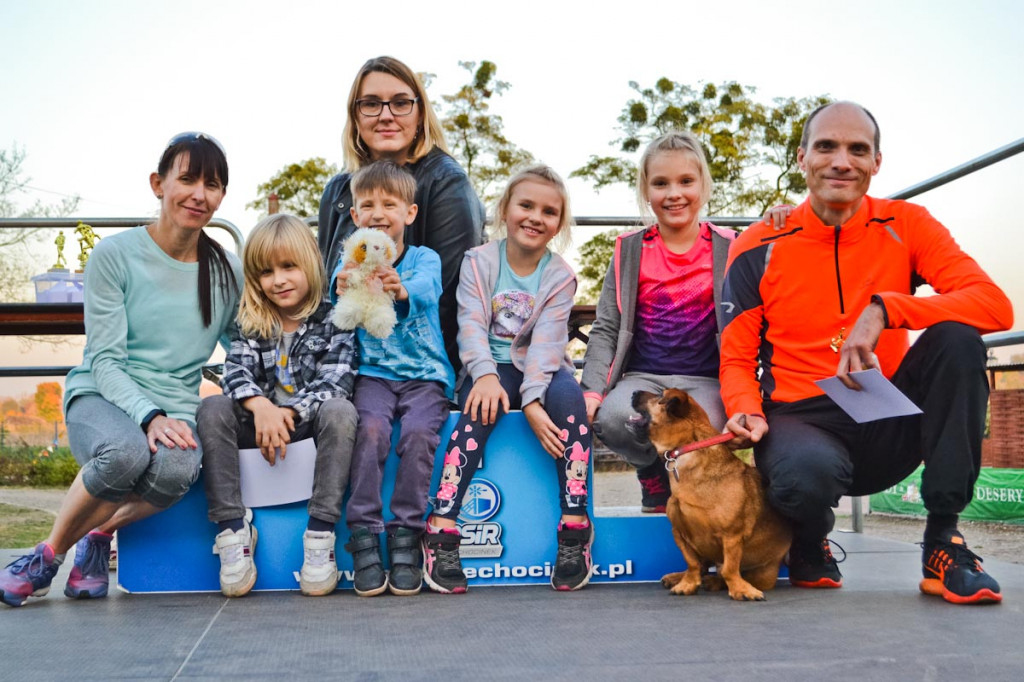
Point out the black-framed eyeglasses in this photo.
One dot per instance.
(401, 106)
(194, 135)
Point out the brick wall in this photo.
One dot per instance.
(1004, 448)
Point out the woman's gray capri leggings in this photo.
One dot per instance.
(115, 458)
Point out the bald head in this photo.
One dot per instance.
(838, 157)
(808, 124)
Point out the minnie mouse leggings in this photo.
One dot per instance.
(564, 404)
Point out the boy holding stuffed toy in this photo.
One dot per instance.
(405, 376)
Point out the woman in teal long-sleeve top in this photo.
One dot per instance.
(157, 300)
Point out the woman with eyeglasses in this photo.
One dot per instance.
(158, 298)
(389, 117)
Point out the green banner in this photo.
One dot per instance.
(998, 496)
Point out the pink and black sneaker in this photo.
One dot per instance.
(442, 565)
(574, 564)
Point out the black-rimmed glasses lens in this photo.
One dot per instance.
(397, 107)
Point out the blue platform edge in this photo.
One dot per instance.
(508, 522)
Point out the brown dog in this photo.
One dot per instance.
(718, 510)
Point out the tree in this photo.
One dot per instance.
(595, 254)
(9, 406)
(48, 401)
(475, 137)
(751, 149)
(299, 187)
(18, 247)
(48, 406)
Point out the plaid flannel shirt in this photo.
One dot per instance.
(323, 363)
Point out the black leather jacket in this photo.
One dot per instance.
(450, 221)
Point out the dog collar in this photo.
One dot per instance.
(672, 455)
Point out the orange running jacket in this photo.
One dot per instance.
(790, 293)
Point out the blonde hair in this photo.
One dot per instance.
(277, 236)
(386, 176)
(677, 141)
(537, 173)
(429, 133)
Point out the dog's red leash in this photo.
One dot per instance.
(672, 455)
(717, 440)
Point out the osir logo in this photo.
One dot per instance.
(482, 501)
(479, 537)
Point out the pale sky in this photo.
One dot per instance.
(92, 89)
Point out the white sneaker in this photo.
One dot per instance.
(237, 571)
(319, 574)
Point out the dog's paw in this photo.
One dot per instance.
(685, 587)
(670, 580)
(748, 593)
(687, 582)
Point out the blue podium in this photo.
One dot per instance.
(508, 523)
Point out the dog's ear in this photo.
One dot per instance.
(678, 407)
(676, 403)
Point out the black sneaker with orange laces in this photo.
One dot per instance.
(953, 572)
(812, 565)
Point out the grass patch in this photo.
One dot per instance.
(21, 527)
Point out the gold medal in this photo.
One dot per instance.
(837, 341)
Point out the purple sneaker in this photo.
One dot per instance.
(28, 576)
(90, 575)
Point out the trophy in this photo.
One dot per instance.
(59, 284)
(61, 263)
(86, 241)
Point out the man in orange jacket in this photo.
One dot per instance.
(832, 292)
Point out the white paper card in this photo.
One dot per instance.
(877, 399)
(289, 480)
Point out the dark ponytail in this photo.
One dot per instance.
(214, 263)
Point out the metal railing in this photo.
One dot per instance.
(627, 221)
(964, 169)
(998, 341)
(57, 223)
